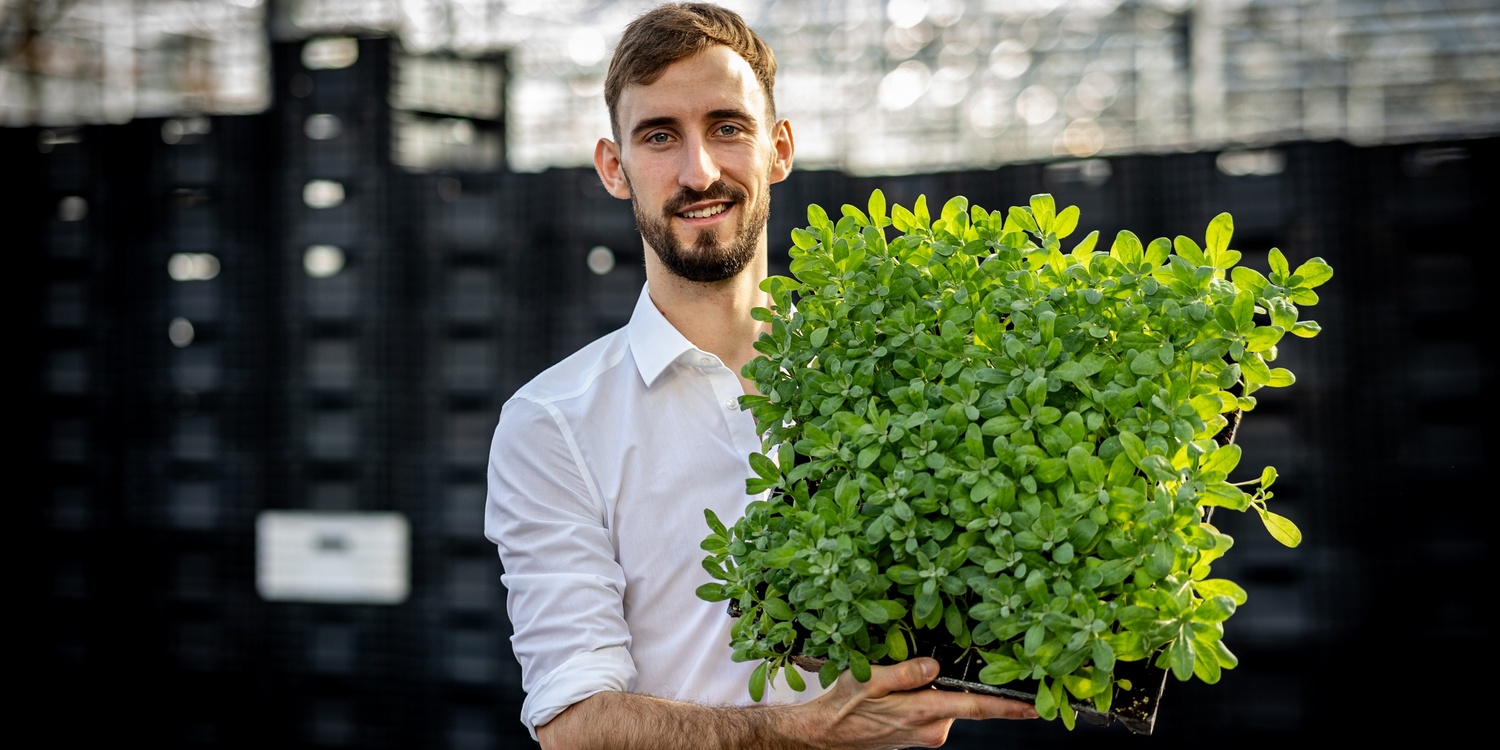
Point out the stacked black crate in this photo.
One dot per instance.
(459, 352)
(1414, 419)
(95, 348)
(74, 231)
(336, 672)
(469, 324)
(193, 377)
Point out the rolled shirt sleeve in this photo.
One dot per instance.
(564, 586)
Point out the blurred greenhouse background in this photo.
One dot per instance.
(874, 86)
(281, 262)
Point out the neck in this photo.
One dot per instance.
(714, 316)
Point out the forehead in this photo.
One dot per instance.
(715, 79)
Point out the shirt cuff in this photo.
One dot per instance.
(579, 677)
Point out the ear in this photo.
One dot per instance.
(611, 170)
(785, 146)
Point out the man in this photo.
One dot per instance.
(601, 466)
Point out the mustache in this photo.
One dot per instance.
(717, 191)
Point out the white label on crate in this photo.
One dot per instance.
(343, 558)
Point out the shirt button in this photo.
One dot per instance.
(732, 404)
(705, 361)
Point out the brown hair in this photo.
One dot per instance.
(671, 32)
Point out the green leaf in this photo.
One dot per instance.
(1135, 449)
(1249, 278)
(1158, 468)
(1282, 529)
(895, 643)
(1189, 251)
(1044, 209)
(712, 592)
(1315, 272)
(715, 524)
(818, 218)
(1243, 310)
(1019, 220)
(1147, 363)
(1066, 222)
(1220, 229)
(1046, 704)
(1181, 655)
(903, 574)
(1283, 313)
(877, 208)
(1070, 371)
(1206, 665)
(1069, 716)
(1211, 350)
(956, 209)
(758, 682)
(924, 220)
(1262, 338)
(1267, 477)
(1084, 250)
(859, 666)
(1223, 495)
(871, 612)
(1281, 378)
(1278, 263)
(1000, 669)
(794, 678)
(828, 673)
(1306, 329)
(927, 603)
(780, 557)
(857, 215)
(1127, 249)
(902, 219)
(1221, 587)
(1214, 609)
(765, 467)
(804, 239)
(778, 609)
(1104, 655)
(1222, 459)
(1051, 469)
(1254, 369)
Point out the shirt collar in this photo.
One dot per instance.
(654, 341)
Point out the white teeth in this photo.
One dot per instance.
(704, 213)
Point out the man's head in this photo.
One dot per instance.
(671, 32)
(697, 145)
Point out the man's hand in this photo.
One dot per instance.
(894, 709)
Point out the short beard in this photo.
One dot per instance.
(710, 260)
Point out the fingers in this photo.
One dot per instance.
(972, 706)
(920, 672)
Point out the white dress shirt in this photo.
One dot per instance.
(599, 473)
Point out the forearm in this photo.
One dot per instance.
(626, 721)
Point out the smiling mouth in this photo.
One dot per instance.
(706, 211)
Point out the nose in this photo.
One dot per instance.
(698, 169)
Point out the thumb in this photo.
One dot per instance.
(908, 675)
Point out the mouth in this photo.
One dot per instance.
(705, 212)
(706, 207)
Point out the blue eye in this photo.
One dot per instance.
(728, 130)
(658, 138)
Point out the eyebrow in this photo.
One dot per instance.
(731, 113)
(649, 123)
